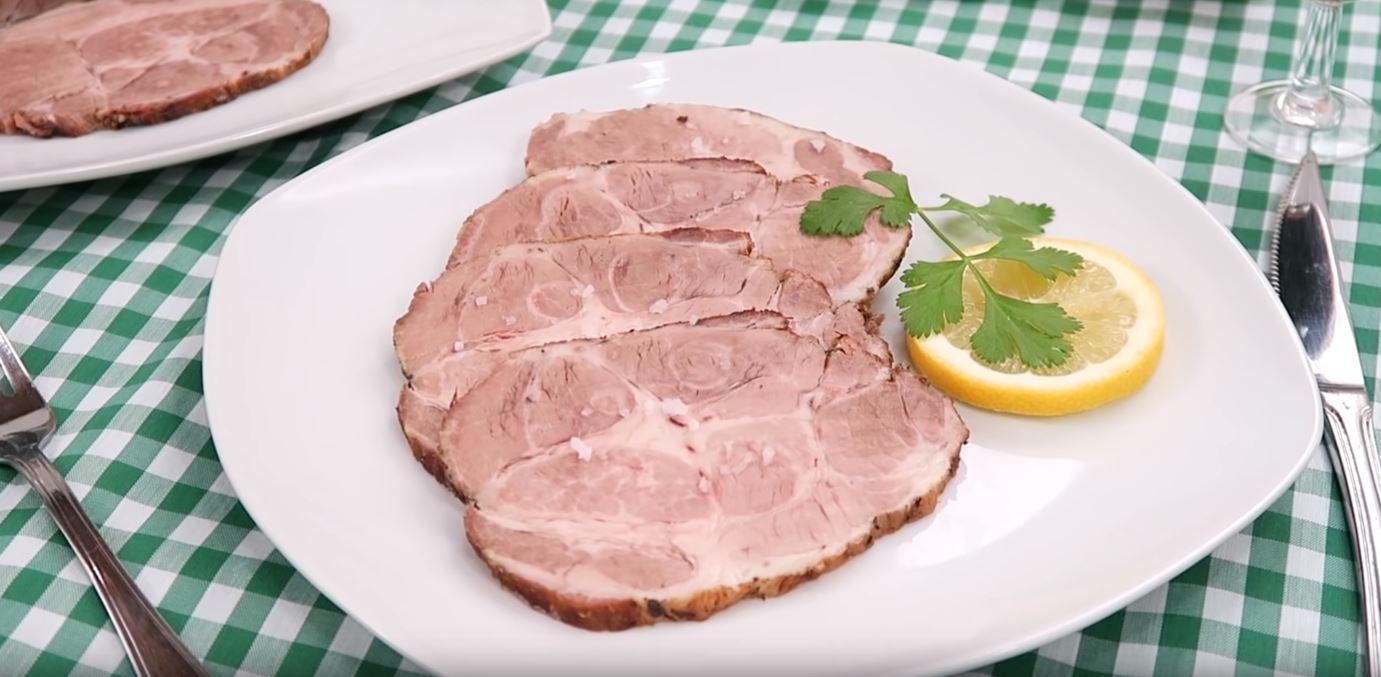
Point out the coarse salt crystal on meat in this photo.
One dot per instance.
(582, 450)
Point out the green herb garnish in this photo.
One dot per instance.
(1036, 333)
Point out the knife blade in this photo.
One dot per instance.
(1305, 274)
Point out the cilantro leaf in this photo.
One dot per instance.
(896, 210)
(1046, 261)
(842, 210)
(1002, 216)
(1034, 332)
(839, 211)
(934, 298)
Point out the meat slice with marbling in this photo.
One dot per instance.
(670, 472)
(462, 325)
(624, 197)
(667, 131)
(650, 197)
(107, 64)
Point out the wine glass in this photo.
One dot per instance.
(1285, 118)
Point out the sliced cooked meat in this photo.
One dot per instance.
(684, 131)
(17, 10)
(632, 197)
(461, 326)
(647, 197)
(670, 472)
(106, 64)
(547, 291)
(631, 374)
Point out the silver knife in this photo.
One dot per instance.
(1305, 274)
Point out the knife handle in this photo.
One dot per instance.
(1349, 418)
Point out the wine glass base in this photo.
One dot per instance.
(1253, 120)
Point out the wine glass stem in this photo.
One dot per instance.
(1309, 102)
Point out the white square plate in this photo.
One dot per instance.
(1050, 525)
(377, 51)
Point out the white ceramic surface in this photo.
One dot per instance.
(377, 51)
(1050, 525)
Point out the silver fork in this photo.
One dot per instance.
(26, 422)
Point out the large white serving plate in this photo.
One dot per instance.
(377, 51)
(1050, 524)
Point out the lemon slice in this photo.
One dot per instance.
(1114, 354)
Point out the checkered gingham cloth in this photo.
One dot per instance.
(104, 286)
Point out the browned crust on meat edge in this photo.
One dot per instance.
(867, 302)
(164, 111)
(427, 455)
(622, 614)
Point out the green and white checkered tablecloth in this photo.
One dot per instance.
(105, 285)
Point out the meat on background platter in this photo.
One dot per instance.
(1049, 525)
(377, 51)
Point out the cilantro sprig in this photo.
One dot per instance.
(1035, 333)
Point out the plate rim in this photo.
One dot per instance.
(247, 137)
(977, 657)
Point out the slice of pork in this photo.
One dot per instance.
(466, 322)
(687, 131)
(649, 197)
(670, 472)
(106, 64)
(623, 197)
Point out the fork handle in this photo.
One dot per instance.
(153, 648)
(1349, 417)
